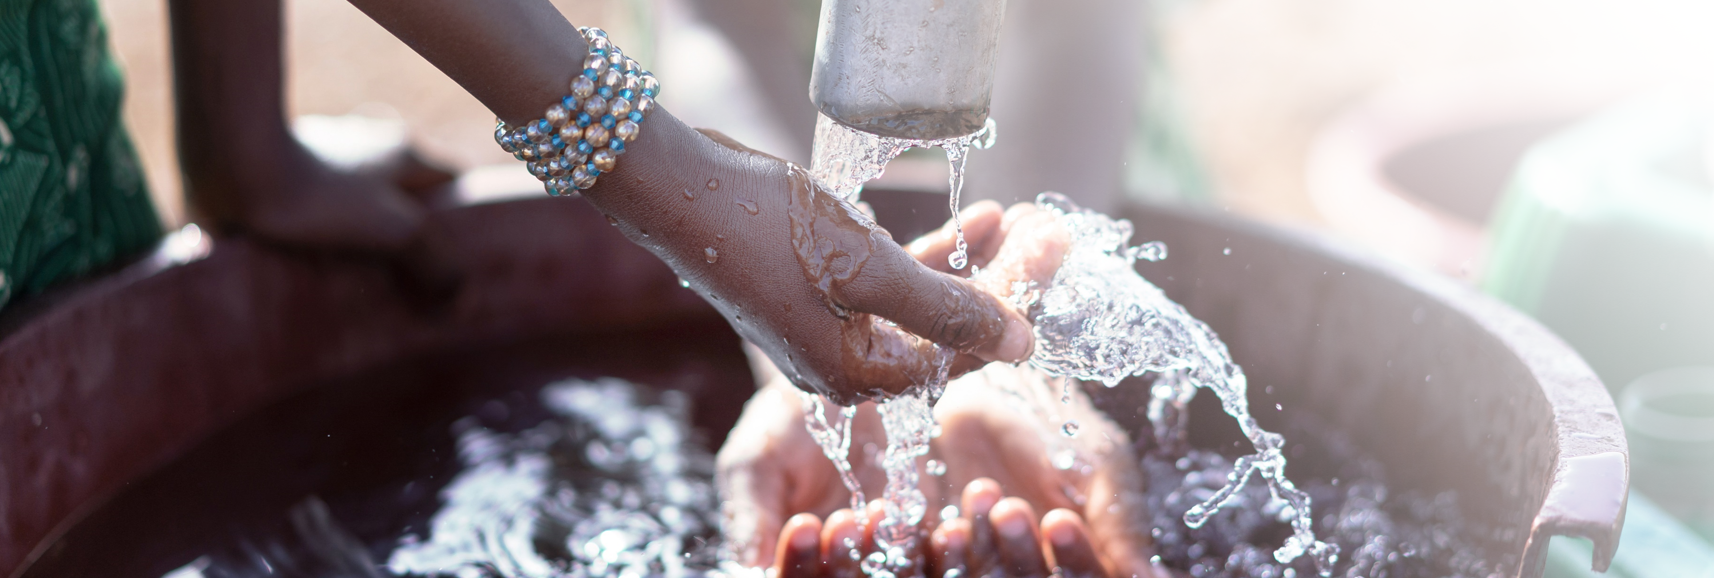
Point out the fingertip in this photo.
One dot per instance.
(980, 495)
(804, 531)
(1073, 550)
(1062, 527)
(1012, 518)
(954, 533)
(948, 546)
(1015, 533)
(840, 537)
(1017, 342)
(799, 554)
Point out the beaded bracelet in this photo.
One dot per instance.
(582, 135)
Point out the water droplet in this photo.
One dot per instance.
(1064, 459)
(1278, 407)
(958, 259)
(950, 512)
(711, 255)
(935, 468)
(749, 206)
(612, 221)
(689, 195)
(1070, 428)
(683, 283)
(1226, 251)
(1150, 251)
(713, 184)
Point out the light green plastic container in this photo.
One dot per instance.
(1606, 235)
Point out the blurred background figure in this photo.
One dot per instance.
(1558, 155)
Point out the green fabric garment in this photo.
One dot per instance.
(72, 194)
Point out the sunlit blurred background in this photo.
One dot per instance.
(1557, 154)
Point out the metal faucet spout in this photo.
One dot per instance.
(916, 69)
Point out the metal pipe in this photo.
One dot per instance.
(919, 69)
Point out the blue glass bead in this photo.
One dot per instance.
(605, 91)
(598, 32)
(608, 121)
(544, 126)
(590, 73)
(583, 147)
(583, 119)
(558, 143)
(617, 145)
(627, 94)
(569, 103)
(636, 116)
(590, 168)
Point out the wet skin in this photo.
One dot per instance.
(994, 536)
(721, 216)
(770, 468)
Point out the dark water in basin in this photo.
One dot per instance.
(402, 469)
(328, 482)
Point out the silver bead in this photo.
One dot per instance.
(534, 133)
(645, 104)
(528, 152)
(540, 171)
(595, 61)
(632, 84)
(626, 130)
(619, 107)
(557, 167)
(631, 66)
(615, 58)
(557, 115)
(604, 160)
(570, 133)
(597, 135)
(582, 87)
(546, 151)
(507, 144)
(612, 78)
(650, 85)
(595, 106)
(599, 44)
(500, 135)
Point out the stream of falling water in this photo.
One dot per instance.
(1098, 321)
(844, 159)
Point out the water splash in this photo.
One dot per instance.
(845, 158)
(1101, 321)
(614, 487)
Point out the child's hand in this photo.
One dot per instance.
(840, 308)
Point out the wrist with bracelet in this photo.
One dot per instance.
(582, 136)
